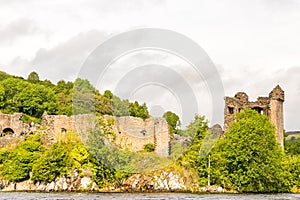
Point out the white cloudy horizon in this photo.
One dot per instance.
(254, 44)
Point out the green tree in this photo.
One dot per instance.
(33, 77)
(292, 165)
(35, 99)
(137, 110)
(249, 157)
(103, 105)
(2, 96)
(12, 88)
(197, 128)
(83, 97)
(292, 146)
(4, 76)
(64, 95)
(108, 94)
(21, 96)
(52, 164)
(173, 121)
(16, 164)
(119, 107)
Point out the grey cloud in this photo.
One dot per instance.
(64, 60)
(289, 81)
(16, 29)
(121, 5)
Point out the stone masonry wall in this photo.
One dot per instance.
(271, 106)
(11, 128)
(134, 133)
(130, 132)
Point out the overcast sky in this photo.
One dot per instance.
(254, 44)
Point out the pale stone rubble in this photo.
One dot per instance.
(165, 181)
(157, 182)
(66, 183)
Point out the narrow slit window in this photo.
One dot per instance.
(230, 110)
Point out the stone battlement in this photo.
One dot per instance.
(271, 106)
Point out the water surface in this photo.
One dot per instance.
(141, 196)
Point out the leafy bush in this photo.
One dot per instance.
(173, 121)
(54, 163)
(149, 147)
(292, 146)
(17, 163)
(249, 159)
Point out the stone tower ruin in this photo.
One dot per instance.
(271, 106)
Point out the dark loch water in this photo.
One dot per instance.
(140, 196)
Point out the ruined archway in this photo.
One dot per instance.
(63, 131)
(7, 131)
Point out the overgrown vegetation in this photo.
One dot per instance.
(149, 147)
(248, 159)
(124, 162)
(173, 121)
(292, 146)
(15, 164)
(45, 164)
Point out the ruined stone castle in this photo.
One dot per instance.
(126, 132)
(134, 133)
(271, 106)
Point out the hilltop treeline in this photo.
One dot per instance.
(33, 96)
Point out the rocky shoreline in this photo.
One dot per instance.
(165, 181)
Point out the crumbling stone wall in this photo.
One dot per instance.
(130, 132)
(134, 133)
(13, 123)
(11, 128)
(271, 106)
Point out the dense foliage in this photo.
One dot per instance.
(15, 164)
(253, 159)
(247, 159)
(292, 161)
(198, 130)
(173, 121)
(123, 162)
(45, 164)
(292, 146)
(33, 97)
